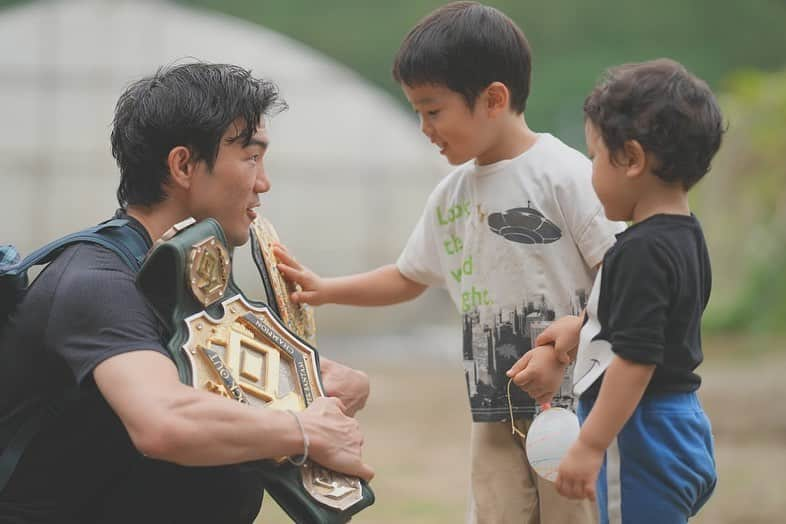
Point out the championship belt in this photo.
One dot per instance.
(299, 318)
(226, 344)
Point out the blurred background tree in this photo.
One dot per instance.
(737, 47)
(743, 207)
(572, 40)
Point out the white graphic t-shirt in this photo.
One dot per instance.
(515, 244)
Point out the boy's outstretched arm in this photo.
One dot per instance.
(623, 385)
(380, 287)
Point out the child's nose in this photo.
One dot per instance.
(425, 127)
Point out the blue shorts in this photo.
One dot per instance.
(661, 467)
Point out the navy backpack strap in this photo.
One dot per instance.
(116, 235)
(113, 234)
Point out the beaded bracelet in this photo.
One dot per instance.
(302, 460)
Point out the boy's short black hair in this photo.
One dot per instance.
(465, 46)
(188, 105)
(670, 112)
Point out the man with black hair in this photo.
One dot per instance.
(135, 444)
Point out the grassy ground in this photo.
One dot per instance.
(416, 426)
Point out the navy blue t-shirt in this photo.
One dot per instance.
(82, 467)
(655, 284)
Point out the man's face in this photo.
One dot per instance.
(229, 192)
(460, 133)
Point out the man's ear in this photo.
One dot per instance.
(181, 166)
(635, 159)
(497, 98)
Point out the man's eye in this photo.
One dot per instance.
(254, 158)
(434, 112)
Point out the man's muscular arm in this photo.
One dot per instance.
(170, 421)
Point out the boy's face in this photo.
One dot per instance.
(460, 133)
(230, 191)
(612, 186)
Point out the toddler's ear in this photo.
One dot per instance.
(636, 159)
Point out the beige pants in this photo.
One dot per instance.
(505, 490)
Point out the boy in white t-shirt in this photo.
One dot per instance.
(514, 234)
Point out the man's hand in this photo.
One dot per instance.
(313, 286)
(578, 471)
(335, 440)
(539, 373)
(563, 335)
(348, 385)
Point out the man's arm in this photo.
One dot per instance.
(381, 287)
(170, 421)
(624, 383)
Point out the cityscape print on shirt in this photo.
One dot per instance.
(491, 348)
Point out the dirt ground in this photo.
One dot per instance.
(417, 438)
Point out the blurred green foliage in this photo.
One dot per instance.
(572, 40)
(742, 204)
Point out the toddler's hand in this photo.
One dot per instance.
(563, 335)
(578, 471)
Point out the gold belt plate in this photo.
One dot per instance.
(249, 356)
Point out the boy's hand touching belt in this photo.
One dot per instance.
(313, 286)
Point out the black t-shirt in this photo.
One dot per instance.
(82, 467)
(655, 284)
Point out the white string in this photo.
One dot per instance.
(513, 428)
